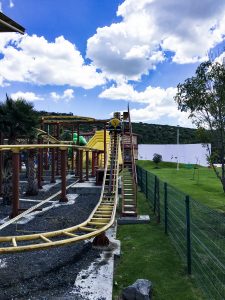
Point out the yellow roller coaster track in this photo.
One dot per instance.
(102, 217)
(49, 138)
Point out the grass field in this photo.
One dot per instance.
(201, 184)
(148, 253)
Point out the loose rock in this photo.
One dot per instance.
(141, 289)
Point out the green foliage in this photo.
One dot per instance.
(163, 134)
(17, 118)
(66, 135)
(203, 97)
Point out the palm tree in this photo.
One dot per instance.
(17, 119)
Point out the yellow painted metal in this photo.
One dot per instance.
(74, 233)
(14, 242)
(62, 117)
(45, 136)
(20, 147)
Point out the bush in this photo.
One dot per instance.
(157, 158)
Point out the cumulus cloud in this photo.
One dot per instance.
(159, 103)
(35, 60)
(29, 96)
(68, 94)
(125, 91)
(148, 28)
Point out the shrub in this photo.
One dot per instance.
(157, 158)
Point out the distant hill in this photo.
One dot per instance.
(163, 134)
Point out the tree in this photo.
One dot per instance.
(203, 97)
(157, 158)
(18, 119)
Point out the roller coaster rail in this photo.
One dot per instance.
(101, 218)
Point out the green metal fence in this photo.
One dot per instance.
(197, 232)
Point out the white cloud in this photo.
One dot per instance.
(125, 91)
(221, 58)
(68, 94)
(35, 60)
(55, 96)
(29, 96)
(0, 6)
(159, 103)
(129, 48)
(11, 4)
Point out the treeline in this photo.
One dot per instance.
(164, 134)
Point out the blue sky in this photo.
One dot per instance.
(92, 57)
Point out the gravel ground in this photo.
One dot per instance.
(47, 274)
(5, 210)
(44, 274)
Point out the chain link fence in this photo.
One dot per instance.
(197, 232)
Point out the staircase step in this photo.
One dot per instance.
(129, 212)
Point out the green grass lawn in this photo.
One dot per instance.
(201, 184)
(147, 253)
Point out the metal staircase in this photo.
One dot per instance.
(129, 177)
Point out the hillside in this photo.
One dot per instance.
(163, 134)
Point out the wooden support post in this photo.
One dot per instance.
(46, 159)
(78, 163)
(93, 163)
(77, 157)
(63, 175)
(105, 145)
(53, 166)
(87, 165)
(15, 182)
(40, 164)
(97, 160)
(81, 166)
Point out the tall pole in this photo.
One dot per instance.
(178, 136)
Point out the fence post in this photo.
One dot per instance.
(188, 233)
(166, 208)
(141, 180)
(155, 187)
(158, 201)
(146, 184)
